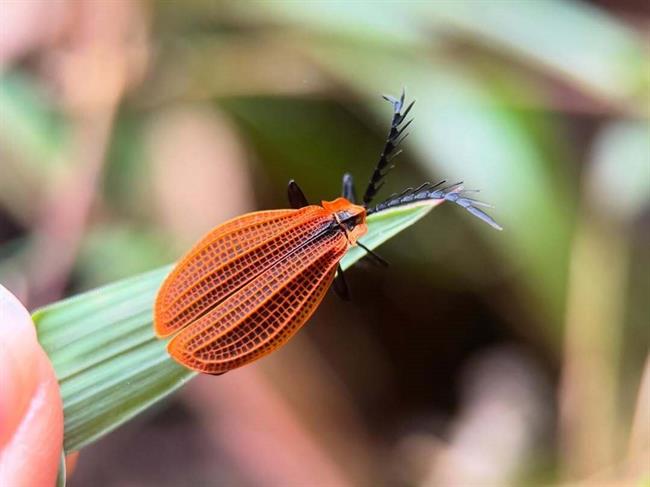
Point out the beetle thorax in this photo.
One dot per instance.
(350, 217)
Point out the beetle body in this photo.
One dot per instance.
(249, 285)
(252, 282)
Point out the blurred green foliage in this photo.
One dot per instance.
(543, 105)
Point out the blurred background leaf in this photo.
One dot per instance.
(123, 141)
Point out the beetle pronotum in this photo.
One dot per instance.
(246, 287)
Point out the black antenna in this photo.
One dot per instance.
(454, 193)
(392, 142)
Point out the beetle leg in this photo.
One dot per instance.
(376, 258)
(349, 192)
(340, 285)
(297, 198)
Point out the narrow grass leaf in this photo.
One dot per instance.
(109, 364)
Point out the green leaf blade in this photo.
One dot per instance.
(109, 364)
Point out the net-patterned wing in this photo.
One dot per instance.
(265, 313)
(227, 258)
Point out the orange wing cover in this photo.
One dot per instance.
(247, 287)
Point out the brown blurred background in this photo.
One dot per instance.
(128, 129)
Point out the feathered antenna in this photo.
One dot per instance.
(396, 136)
(427, 191)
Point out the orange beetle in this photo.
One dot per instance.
(244, 289)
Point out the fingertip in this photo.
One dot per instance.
(18, 376)
(15, 321)
(31, 415)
